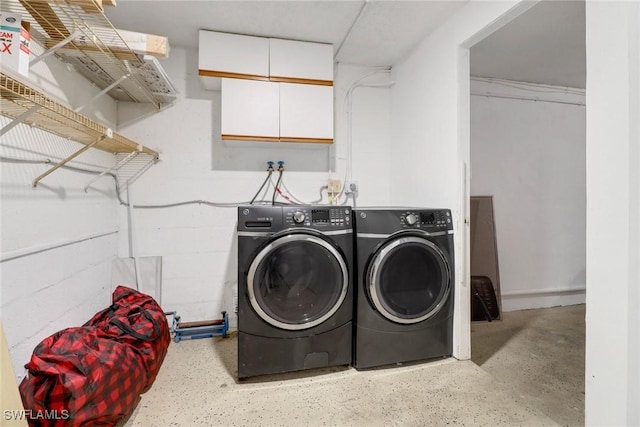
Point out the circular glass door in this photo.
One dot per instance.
(409, 280)
(297, 281)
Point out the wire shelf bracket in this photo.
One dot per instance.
(138, 174)
(102, 92)
(117, 166)
(54, 49)
(21, 118)
(67, 160)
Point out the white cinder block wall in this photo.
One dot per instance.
(197, 242)
(57, 241)
(530, 156)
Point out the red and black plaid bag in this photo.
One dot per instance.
(136, 319)
(82, 377)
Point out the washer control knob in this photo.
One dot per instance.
(411, 219)
(298, 217)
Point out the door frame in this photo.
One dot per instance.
(462, 316)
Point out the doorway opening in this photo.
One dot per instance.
(527, 156)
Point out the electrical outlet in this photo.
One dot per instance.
(351, 186)
(333, 186)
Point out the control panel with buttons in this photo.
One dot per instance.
(431, 219)
(318, 217)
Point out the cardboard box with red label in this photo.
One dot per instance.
(14, 43)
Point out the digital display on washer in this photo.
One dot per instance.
(427, 217)
(320, 215)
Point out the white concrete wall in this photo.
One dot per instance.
(530, 156)
(430, 128)
(197, 242)
(613, 214)
(57, 241)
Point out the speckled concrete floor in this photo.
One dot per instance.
(197, 386)
(539, 356)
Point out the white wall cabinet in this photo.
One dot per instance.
(250, 110)
(261, 58)
(303, 62)
(271, 89)
(270, 111)
(231, 55)
(306, 113)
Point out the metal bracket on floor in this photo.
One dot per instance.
(194, 330)
(71, 157)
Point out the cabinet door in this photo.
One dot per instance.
(249, 110)
(233, 55)
(306, 113)
(301, 62)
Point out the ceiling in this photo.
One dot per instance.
(362, 32)
(544, 45)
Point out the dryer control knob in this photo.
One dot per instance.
(411, 219)
(298, 217)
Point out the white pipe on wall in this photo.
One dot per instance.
(132, 247)
(525, 98)
(546, 291)
(19, 253)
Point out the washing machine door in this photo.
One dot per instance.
(297, 281)
(409, 279)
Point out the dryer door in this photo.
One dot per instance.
(297, 281)
(409, 279)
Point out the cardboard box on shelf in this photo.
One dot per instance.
(146, 44)
(14, 43)
(138, 43)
